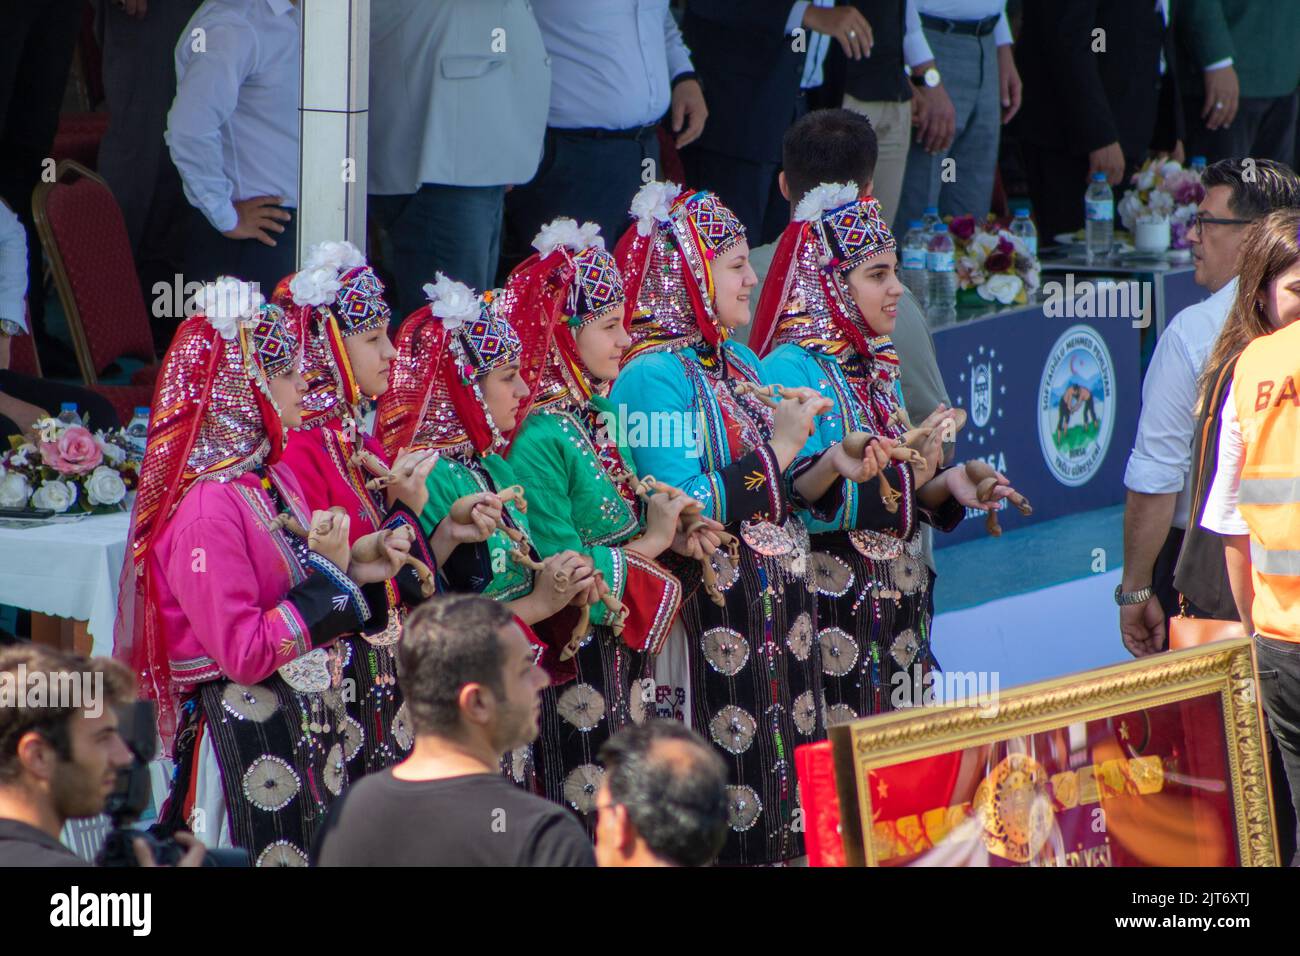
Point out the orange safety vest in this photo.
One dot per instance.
(1266, 390)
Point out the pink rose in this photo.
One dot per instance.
(962, 227)
(75, 453)
(1004, 246)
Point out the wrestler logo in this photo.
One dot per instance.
(981, 393)
(1076, 406)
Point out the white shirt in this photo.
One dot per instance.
(233, 127)
(1221, 513)
(1161, 461)
(459, 92)
(612, 61)
(13, 268)
(915, 47)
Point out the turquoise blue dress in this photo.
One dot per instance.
(875, 592)
(755, 666)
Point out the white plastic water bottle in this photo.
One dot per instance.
(1099, 216)
(137, 433)
(1022, 227)
(68, 414)
(912, 268)
(942, 269)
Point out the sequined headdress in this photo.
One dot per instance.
(806, 297)
(335, 295)
(212, 419)
(572, 280)
(443, 350)
(666, 258)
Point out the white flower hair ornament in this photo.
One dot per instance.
(339, 256)
(453, 302)
(228, 302)
(567, 234)
(316, 286)
(652, 204)
(823, 199)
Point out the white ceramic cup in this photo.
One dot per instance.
(1151, 235)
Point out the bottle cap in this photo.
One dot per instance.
(142, 410)
(1099, 177)
(1022, 213)
(940, 227)
(915, 224)
(68, 407)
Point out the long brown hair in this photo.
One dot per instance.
(1270, 247)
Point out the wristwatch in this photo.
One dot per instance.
(1140, 596)
(11, 328)
(930, 78)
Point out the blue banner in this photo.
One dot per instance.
(1052, 403)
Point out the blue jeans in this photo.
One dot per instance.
(451, 229)
(969, 67)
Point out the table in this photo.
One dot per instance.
(69, 571)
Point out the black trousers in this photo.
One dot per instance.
(1279, 690)
(210, 254)
(583, 176)
(95, 410)
(1264, 127)
(36, 46)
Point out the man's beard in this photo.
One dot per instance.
(75, 792)
(515, 727)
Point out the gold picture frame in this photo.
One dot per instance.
(1164, 687)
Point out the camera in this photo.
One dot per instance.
(131, 797)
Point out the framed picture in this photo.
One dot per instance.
(1153, 762)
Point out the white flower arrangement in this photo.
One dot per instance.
(1163, 189)
(453, 302)
(652, 204)
(566, 233)
(72, 469)
(824, 198)
(228, 302)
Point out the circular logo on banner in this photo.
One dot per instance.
(1076, 405)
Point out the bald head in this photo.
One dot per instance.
(672, 788)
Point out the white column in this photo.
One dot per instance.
(335, 101)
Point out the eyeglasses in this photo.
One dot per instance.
(1200, 221)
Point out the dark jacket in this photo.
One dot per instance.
(1078, 100)
(750, 72)
(1201, 574)
(881, 76)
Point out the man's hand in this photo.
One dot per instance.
(23, 414)
(258, 218)
(846, 24)
(194, 850)
(1108, 160)
(934, 117)
(1009, 83)
(1142, 626)
(1221, 94)
(689, 112)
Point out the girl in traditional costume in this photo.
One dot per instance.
(754, 662)
(455, 388)
(336, 303)
(567, 306)
(228, 618)
(827, 308)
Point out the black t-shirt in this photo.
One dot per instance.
(24, 845)
(474, 820)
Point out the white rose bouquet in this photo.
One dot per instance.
(1163, 189)
(68, 470)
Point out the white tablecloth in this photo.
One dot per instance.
(70, 570)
